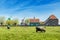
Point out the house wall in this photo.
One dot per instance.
(35, 24)
(51, 22)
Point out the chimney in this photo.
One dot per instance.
(34, 18)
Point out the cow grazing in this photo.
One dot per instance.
(40, 28)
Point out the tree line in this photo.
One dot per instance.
(8, 21)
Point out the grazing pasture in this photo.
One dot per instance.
(29, 33)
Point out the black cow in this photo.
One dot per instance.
(42, 29)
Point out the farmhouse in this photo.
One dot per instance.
(51, 21)
(34, 22)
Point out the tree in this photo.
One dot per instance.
(15, 21)
(41, 23)
(27, 21)
(2, 20)
(9, 21)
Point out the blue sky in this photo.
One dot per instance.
(41, 9)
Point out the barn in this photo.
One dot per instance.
(51, 21)
(34, 22)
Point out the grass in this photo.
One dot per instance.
(29, 33)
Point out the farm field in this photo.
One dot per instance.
(29, 33)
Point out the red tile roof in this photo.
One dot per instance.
(52, 17)
(34, 20)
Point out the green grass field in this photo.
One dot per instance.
(29, 33)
